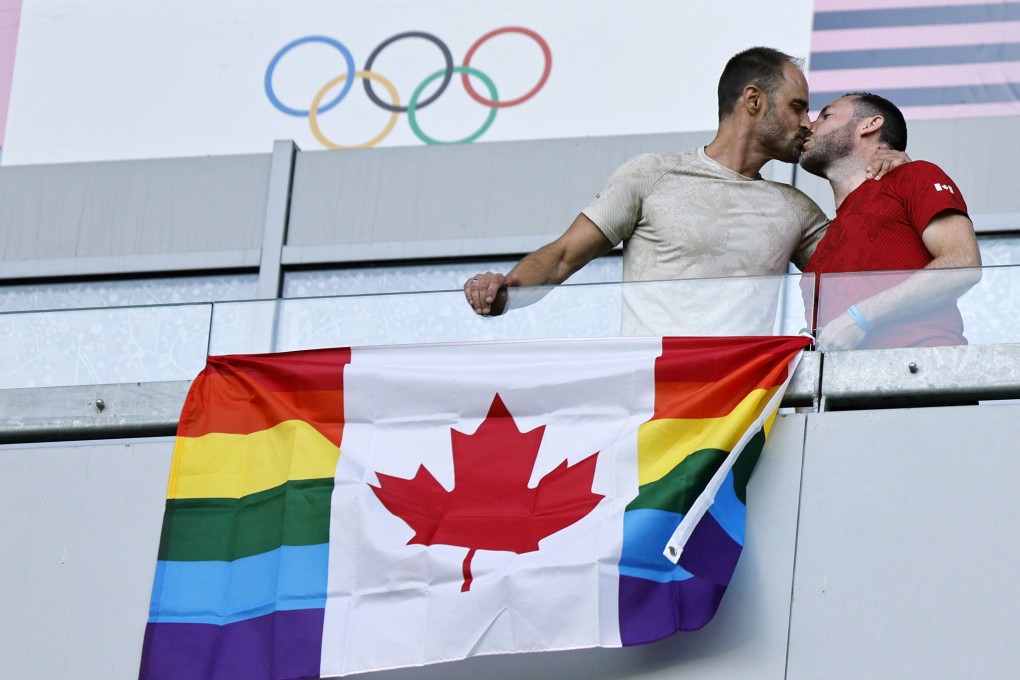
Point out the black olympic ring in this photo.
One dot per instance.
(447, 75)
(318, 106)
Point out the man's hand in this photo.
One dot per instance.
(483, 290)
(885, 159)
(840, 333)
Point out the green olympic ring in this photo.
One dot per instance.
(412, 106)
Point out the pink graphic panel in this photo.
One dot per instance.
(10, 17)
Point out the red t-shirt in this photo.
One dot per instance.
(878, 229)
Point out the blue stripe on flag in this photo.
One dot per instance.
(288, 578)
(933, 96)
(729, 512)
(915, 56)
(919, 16)
(645, 534)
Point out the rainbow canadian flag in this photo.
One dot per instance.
(340, 511)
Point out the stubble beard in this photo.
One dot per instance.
(785, 147)
(828, 150)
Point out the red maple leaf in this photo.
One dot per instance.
(491, 506)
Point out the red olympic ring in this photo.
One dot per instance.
(546, 53)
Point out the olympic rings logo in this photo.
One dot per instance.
(415, 103)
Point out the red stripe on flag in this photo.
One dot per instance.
(314, 369)
(242, 394)
(708, 377)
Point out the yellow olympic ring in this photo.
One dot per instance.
(313, 112)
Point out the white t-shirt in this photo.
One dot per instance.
(684, 216)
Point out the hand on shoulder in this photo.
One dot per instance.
(885, 159)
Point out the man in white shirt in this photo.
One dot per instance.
(701, 213)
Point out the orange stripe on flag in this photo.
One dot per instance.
(709, 377)
(246, 394)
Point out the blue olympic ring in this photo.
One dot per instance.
(348, 57)
(446, 73)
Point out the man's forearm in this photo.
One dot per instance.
(544, 267)
(923, 291)
(953, 270)
(550, 265)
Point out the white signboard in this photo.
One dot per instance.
(140, 79)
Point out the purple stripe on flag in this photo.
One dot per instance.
(283, 645)
(710, 553)
(650, 611)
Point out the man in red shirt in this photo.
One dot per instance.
(913, 219)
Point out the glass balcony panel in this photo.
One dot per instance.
(127, 293)
(931, 307)
(999, 250)
(159, 343)
(397, 318)
(991, 309)
(100, 346)
(422, 277)
(730, 306)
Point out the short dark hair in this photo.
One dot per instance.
(761, 66)
(894, 127)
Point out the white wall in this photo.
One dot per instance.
(894, 560)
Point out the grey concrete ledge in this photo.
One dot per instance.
(831, 381)
(803, 390)
(41, 414)
(920, 376)
(91, 411)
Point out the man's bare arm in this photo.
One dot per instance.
(950, 239)
(551, 264)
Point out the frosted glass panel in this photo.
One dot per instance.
(99, 346)
(423, 277)
(931, 307)
(734, 306)
(127, 293)
(999, 250)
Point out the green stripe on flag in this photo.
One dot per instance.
(678, 490)
(295, 513)
(744, 466)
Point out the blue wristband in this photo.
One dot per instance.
(859, 319)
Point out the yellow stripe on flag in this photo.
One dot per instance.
(665, 442)
(219, 465)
